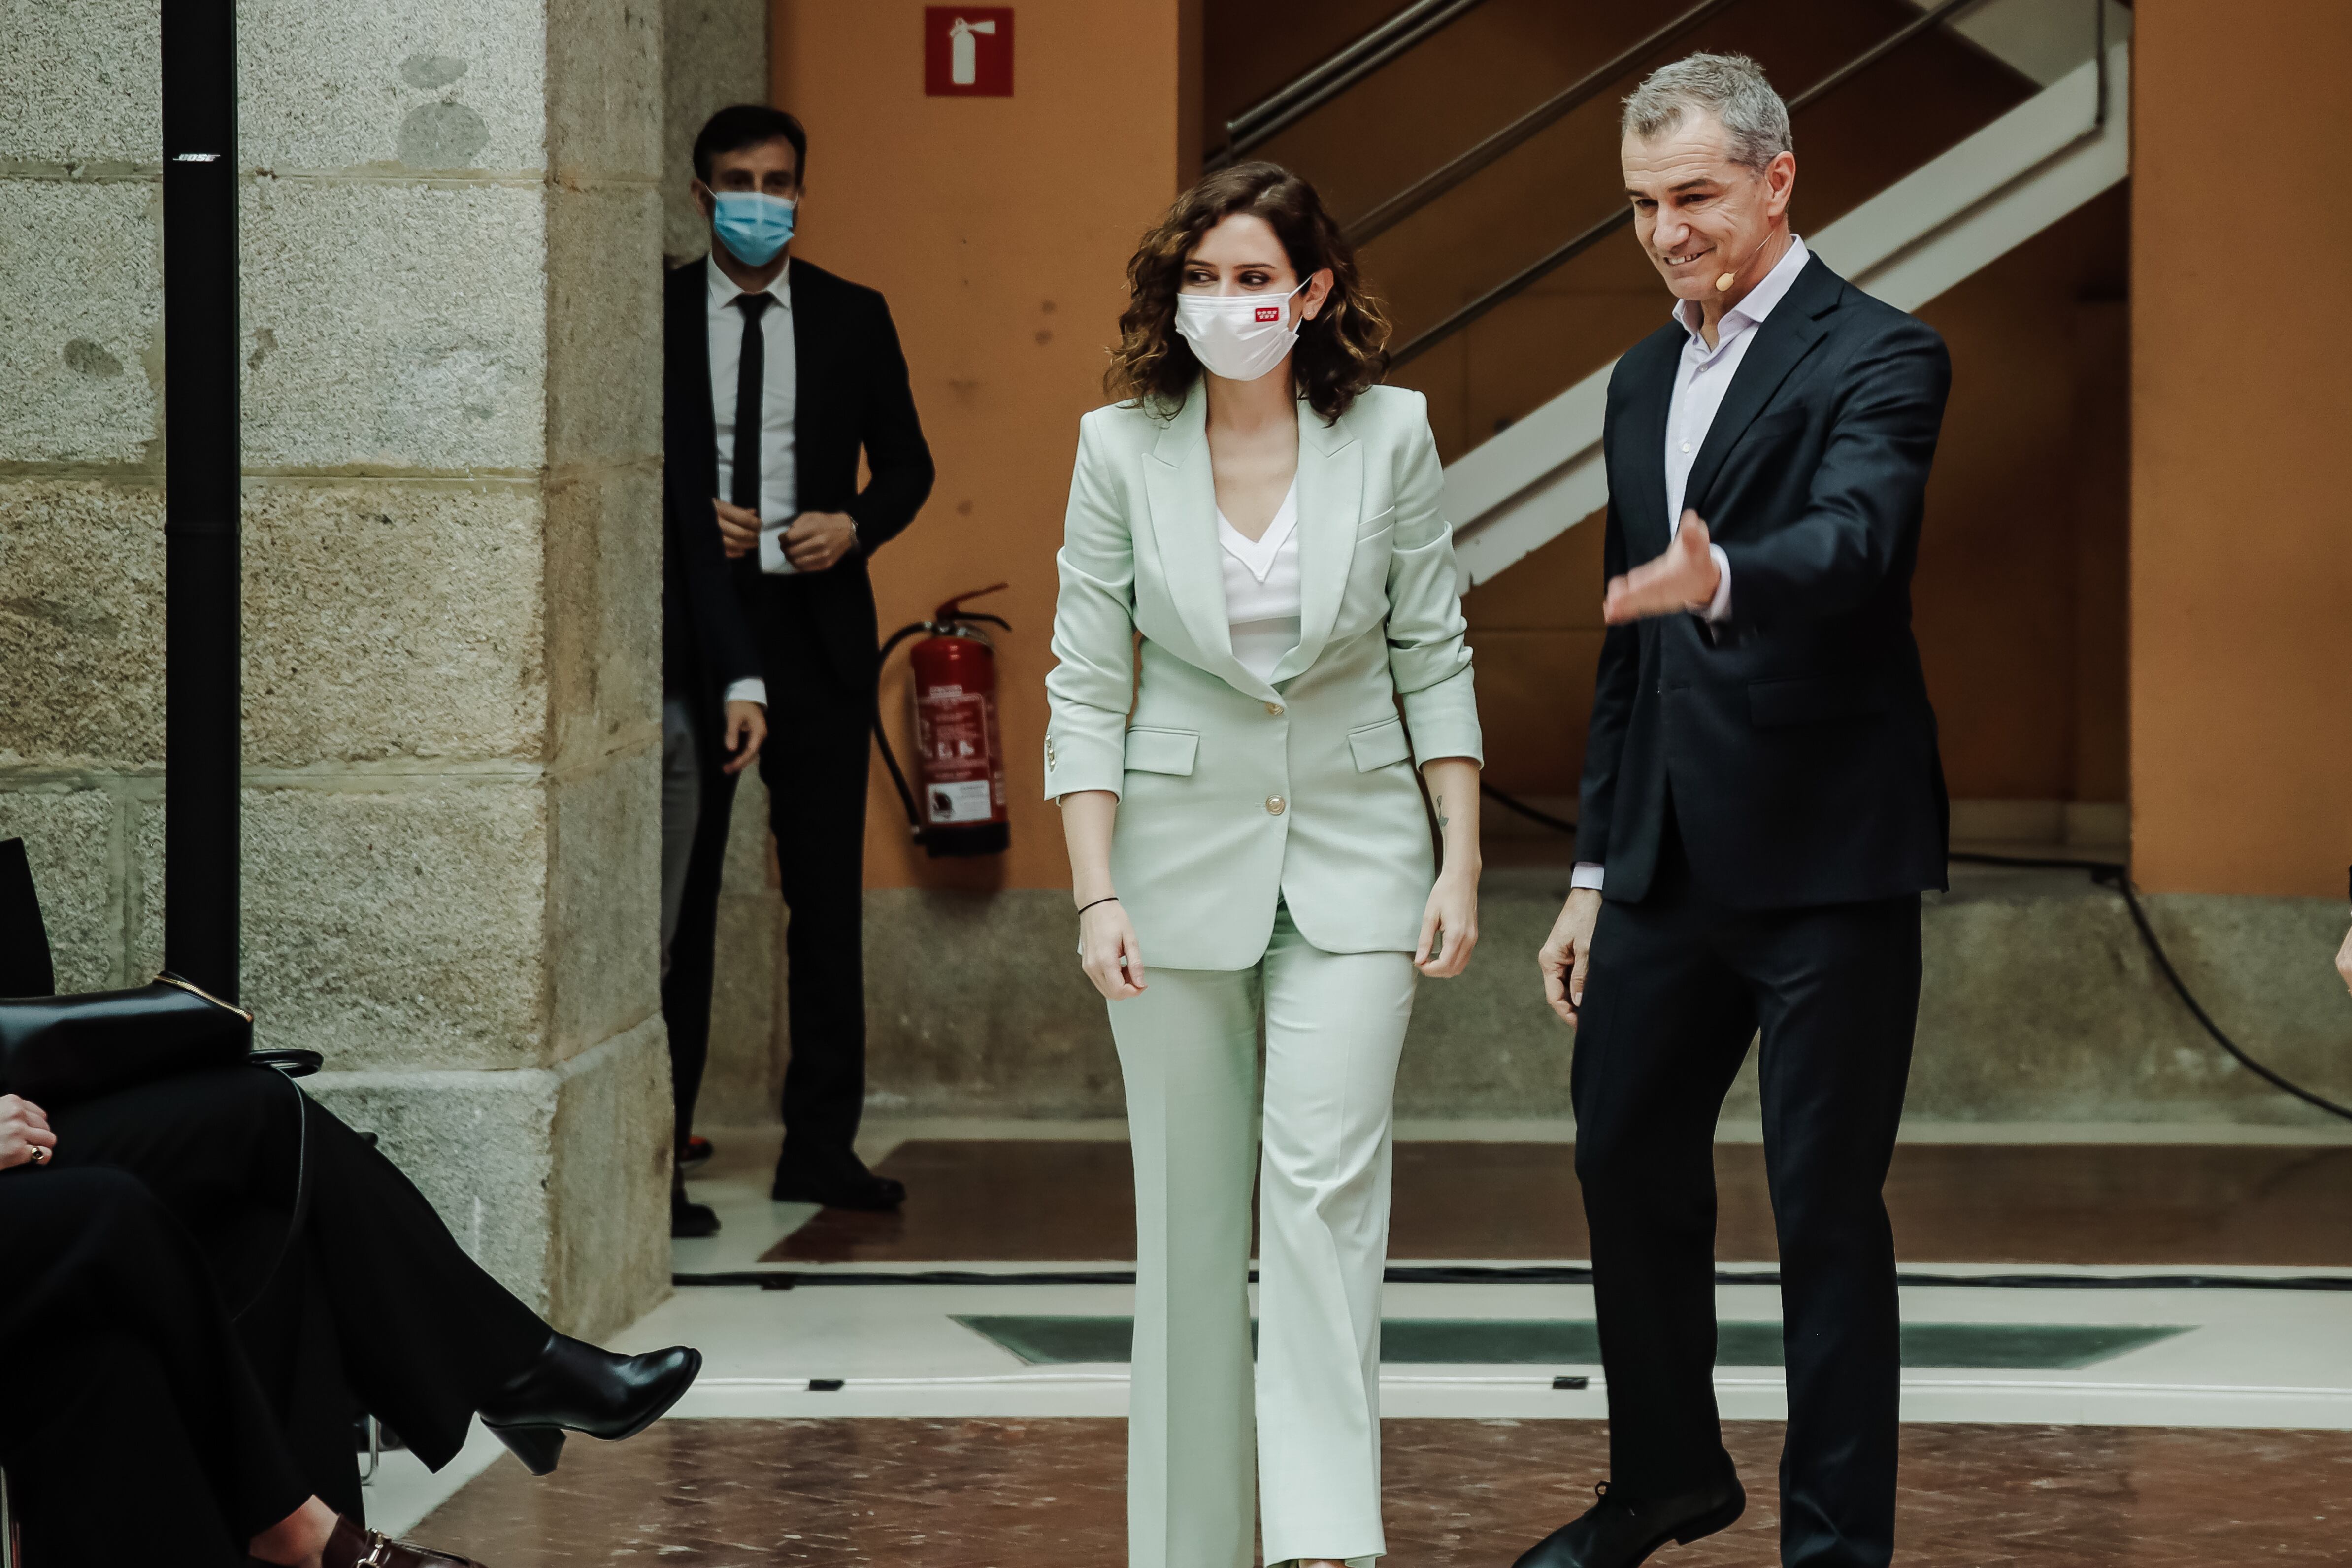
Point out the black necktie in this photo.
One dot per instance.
(751, 381)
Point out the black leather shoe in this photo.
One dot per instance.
(576, 1388)
(846, 1185)
(1617, 1533)
(689, 1221)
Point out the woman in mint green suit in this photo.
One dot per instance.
(1257, 524)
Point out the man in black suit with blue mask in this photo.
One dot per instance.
(778, 376)
(1762, 805)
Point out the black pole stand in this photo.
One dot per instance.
(203, 701)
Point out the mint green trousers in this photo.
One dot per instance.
(1206, 1439)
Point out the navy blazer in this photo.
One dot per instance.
(1796, 739)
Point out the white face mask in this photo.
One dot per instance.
(1238, 336)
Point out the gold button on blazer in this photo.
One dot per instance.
(1238, 793)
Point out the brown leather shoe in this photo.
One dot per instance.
(351, 1546)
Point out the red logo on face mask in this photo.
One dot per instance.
(1268, 313)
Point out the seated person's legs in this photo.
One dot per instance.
(134, 1430)
(113, 1326)
(427, 1338)
(113, 1470)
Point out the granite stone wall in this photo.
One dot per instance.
(451, 234)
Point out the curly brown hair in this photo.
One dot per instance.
(1340, 353)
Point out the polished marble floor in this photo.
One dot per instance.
(973, 1493)
(2165, 1378)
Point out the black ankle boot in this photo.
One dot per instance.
(577, 1387)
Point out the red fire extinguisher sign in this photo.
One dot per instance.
(967, 51)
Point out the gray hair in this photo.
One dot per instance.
(1731, 88)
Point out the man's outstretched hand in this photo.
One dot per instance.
(1684, 579)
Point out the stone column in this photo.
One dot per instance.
(451, 239)
(714, 53)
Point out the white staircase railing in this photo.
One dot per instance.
(1533, 481)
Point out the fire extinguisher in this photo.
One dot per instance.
(959, 757)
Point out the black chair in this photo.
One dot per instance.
(24, 971)
(24, 967)
(11, 1552)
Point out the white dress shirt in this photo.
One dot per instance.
(1262, 587)
(779, 391)
(779, 485)
(1701, 380)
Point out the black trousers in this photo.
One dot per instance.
(136, 1429)
(1678, 985)
(820, 726)
(376, 1307)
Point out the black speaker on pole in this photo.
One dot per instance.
(201, 716)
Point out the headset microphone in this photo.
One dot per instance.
(1723, 284)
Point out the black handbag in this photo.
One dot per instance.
(61, 1050)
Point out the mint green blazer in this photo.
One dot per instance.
(1236, 793)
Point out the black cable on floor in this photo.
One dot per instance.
(2163, 963)
(1533, 1274)
(2116, 875)
(1512, 802)
(2108, 873)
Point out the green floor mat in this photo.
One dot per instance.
(1530, 1341)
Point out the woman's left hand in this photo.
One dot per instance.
(24, 1135)
(1449, 926)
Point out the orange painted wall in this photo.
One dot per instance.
(2017, 601)
(2242, 421)
(999, 227)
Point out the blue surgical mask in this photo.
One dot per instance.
(752, 225)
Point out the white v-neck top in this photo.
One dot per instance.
(1262, 587)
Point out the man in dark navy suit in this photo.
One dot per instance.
(1762, 805)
